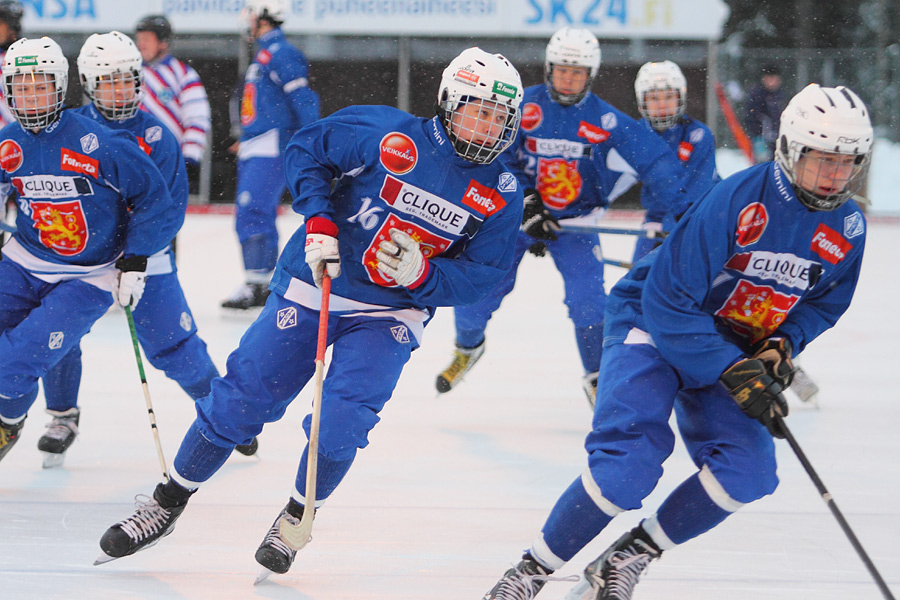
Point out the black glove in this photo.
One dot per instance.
(537, 220)
(539, 249)
(756, 392)
(775, 352)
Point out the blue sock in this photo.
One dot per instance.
(329, 474)
(573, 522)
(61, 382)
(469, 339)
(689, 511)
(590, 346)
(198, 459)
(202, 387)
(260, 253)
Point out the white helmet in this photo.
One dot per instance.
(659, 77)
(274, 10)
(488, 79)
(108, 56)
(36, 57)
(572, 48)
(831, 120)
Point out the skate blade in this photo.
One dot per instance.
(104, 558)
(262, 575)
(51, 460)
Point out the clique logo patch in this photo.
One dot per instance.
(398, 153)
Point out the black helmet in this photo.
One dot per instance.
(156, 24)
(11, 12)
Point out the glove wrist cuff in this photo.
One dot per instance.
(322, 226)
(132, 263)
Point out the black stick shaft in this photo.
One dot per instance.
(826, 496)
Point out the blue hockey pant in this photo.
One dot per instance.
(260, 185)
(39, 324)
(168, 334)
(579, 260)
(272, 364)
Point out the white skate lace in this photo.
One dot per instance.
(522, 586)
(273, 537)
(625, 570)
(60, 427)
(148, 519)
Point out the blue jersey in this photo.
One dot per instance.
(160, 144)
(695, 146)
(86, 194)
(276, 89)
(583, 157)
(748, 261)
(373, 168)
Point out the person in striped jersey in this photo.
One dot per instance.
(173, 92)
(11, 12)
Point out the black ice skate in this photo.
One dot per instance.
(247, 297)
(274, 554)
(521, 582)
(60, 434)
(463, 361)
(153, 520)
(248, 449)
(615, 573)
(9, 435)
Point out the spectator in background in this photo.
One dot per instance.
(173, 92)
(11, 12)
(763, 110)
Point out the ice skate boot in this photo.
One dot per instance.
(153, 520)
(274, 554)
(9, 435)
(248, 449)
(614, 574)
(589, 384)
(463, 361)
(247, 297)
(803, 385)
(60, 434)
(521, 582)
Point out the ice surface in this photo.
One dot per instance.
(451, 489)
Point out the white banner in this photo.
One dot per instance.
(667, 19)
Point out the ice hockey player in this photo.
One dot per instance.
(110, 69)
(661, 92)
(276, 102)
(707, 325)
(428, 218)
(576, 154)
(92, 207)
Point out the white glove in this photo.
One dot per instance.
(401, 260)
(322, 249)
(129, 285)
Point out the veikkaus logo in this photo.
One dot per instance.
(10, 156)
(398, 153)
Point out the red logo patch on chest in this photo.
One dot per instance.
(830, 245)
(79, 163)
(62, 226)
(398, 153)
(10, 156)
(751, 224)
